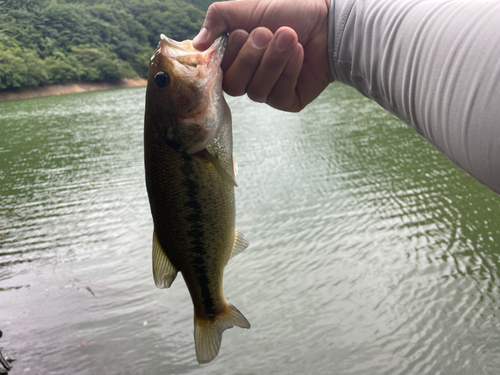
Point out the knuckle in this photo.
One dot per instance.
(214, 16)
(275, 102)
(282, 102)
(212, 12)
(278, 58)
(233, 90)
(249, 60)
(257, 95)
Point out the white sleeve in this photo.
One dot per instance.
(435, 64)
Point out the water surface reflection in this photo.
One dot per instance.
(370, 252)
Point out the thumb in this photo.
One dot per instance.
(224, 17)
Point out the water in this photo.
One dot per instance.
(370, 253)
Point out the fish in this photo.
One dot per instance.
(190, 179)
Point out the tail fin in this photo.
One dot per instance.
(208, 336)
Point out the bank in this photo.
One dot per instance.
(70, 88)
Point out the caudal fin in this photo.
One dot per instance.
(208, 335)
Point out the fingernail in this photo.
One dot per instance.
(283, 40)
(260, 39)
(201, 37)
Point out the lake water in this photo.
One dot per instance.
(370, 253)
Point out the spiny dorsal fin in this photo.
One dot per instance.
(225, 176)
(164, 272)
(240, 243)
(208, 334)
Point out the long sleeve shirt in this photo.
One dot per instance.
(435, 64)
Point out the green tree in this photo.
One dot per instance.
(58, 41)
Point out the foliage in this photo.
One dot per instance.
(58, 41)
(201, 4)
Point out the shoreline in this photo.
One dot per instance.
(69, 88)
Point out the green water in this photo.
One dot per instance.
(370, 253)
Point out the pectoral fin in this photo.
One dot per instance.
(240, 243)
(215, 162)
(164, 272)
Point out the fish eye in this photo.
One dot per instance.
(162, 79)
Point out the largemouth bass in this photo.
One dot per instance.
(190, 181)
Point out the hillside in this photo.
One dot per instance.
(59, 41)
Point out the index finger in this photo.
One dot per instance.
(222, 18)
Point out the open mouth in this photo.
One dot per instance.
(200, 70)
(187, 55)
(191, 64)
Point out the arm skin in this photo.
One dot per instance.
(435, 64)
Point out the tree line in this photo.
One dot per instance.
(59, 41)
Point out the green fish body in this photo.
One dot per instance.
(190, 183)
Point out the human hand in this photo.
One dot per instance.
(276, 50)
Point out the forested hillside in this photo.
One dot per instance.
(60, 41)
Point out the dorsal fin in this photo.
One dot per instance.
(164, 272)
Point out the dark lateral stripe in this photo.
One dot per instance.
(192, 187)
(194, 216)
(203, 281)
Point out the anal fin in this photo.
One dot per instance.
(235, 168)
(164, 272)
(240, 243)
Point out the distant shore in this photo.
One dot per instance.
(70, 88)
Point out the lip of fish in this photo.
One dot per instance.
(178, 49)
(186, 58)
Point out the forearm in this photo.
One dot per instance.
(433, 63)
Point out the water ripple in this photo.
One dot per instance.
(369, 252)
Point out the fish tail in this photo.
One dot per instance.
(208, 334)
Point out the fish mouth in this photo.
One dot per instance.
(189, 57)
(177, 49)
(203, 68)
